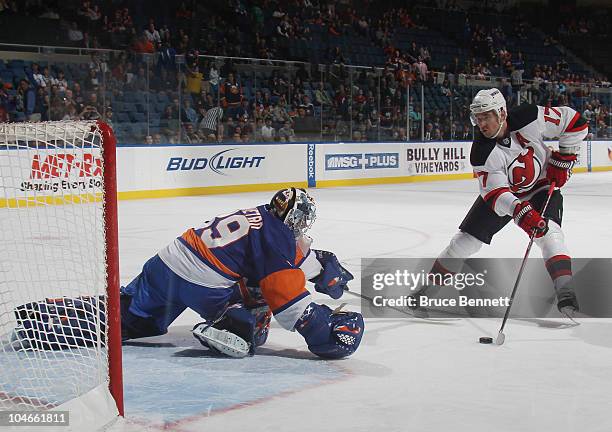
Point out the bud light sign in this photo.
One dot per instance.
(358, 161)
(219, 163)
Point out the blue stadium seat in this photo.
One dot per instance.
(122, 117)
(118, 106)
(7, 76)
(129, 107)
(137, 116)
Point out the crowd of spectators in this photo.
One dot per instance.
(209, 100)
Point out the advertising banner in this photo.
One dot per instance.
(185, 167)
(46, 172)
(338, 163)
(601, 155)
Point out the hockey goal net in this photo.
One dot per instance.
(60, 337)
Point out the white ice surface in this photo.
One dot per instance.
(407, 374)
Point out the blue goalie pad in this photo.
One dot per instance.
(60, 323)
(252, 325)
(334, 278)
(328, 334)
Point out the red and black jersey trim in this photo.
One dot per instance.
(521, 116)
(491, 197)
(481, 149)
(577, 124)
(559, 265)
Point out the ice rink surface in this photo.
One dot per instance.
(408, 374)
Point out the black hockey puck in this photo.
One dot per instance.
(485, 340)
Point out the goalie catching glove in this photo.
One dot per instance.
(330, 334)
(334, 278)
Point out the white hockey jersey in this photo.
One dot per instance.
(514, 166)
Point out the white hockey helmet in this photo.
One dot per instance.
(487, 100)
(295, 208)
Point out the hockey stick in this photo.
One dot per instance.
(500, 336)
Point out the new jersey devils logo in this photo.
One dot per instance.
(524, 171)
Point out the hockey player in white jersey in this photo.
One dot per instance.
(515, 167)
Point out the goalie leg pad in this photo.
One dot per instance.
(250, 326)
(222, 341)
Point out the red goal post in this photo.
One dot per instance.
(60, 321)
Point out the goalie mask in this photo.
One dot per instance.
(488, 100)
(295, 208)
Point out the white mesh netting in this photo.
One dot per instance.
(53, 247)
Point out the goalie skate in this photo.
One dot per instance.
(221, 340)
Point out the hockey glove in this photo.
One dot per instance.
(60, 323)
(560, 167)
(330, 334)
(333, 278)
(529, 219)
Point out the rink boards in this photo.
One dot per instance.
(157, 171)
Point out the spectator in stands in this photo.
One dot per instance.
(213, 79)
(286, 133)
(60, 81)
(158, 139)
(193, 80)
(25, 101)
(70, 113)
(190, 135)
(188, 113)
(75, 36)
(139, 83)
(237, 135)
(166, 57)
(89, 113)
(77, 96)
(228, 129)
(268, 132)
(280, 114)
(243, 110)
(41, 106)
(306, 106)
(152, 34)
(92, 82)
(140, 44)
(231, 95)
(429, 131)
(256, 126)
(107, 115)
